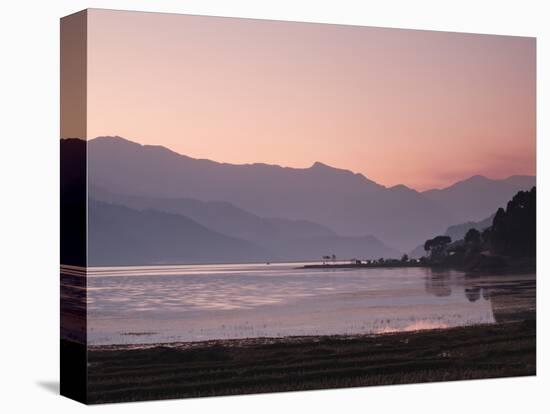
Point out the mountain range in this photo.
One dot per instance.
(286, 213)
(476, 198)
(168, 220)
(118, 235)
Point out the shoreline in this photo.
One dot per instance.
(362, 265)
(266, 340)
(525, 265)
(257, 365)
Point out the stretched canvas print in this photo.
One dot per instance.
(254, 206)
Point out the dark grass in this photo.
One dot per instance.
(306, 363)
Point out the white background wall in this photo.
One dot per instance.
(29, 125)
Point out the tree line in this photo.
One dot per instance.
(512, 234)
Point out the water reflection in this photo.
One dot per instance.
(438, 283)
(511, 296)
(472, 293)
(190, 303)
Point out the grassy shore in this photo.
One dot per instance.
(260, 365)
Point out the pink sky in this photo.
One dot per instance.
(421, 108)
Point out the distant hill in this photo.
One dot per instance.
(458, 231)
(308, 248)
(221, 216)
(478, 197)
(279, 239)
(347, 203)
(123, 236)
(261, 200)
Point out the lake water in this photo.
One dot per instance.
(153, 304)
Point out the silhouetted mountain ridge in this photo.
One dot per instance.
(119, 235)
(348, 203)
(220, 216)
(280, 239)
(477, 197)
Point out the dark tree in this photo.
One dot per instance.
(405, 258)
(436, 246)
(486, 235)
(473, 236)
(513, 232)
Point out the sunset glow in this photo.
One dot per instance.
(420, 108)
